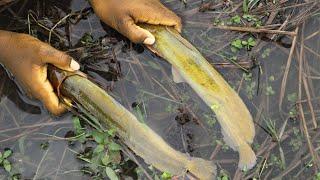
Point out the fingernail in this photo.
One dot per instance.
(74, 65)
(149, 40)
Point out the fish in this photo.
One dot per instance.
(77, 89)
(188, 65)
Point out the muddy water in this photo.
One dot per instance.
(146, 82)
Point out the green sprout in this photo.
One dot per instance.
(4, 162)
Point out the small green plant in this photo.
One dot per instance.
(272, 130)
(276, 161)
(87, 39)
(250, 89)
(234, 20)
(292, 98)
(4, 162)
(266, 53)
(251, 18)
(296, 141)
(269, 91)
(223, 175)
(44, 145)
(166, 176)
(317, 177)
(210, 120)
(249, 43)
(238, 44)
(271, 78)
(104, 158)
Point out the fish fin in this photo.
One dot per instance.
(229, 141)
(247, 157)
(177, 78)
(202, 169)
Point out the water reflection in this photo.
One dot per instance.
(140, 79)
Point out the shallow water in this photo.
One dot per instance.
(146, 80)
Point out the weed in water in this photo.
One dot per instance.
(266, 53)
(4, 162)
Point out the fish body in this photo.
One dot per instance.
(142, 140)
(188, 65)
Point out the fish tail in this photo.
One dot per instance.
(202, 169)
(247, 157)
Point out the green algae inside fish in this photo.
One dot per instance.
(142, 140)
(188, 65)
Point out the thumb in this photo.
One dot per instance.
(57, 58)
(135, 33)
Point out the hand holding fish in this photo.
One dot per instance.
(26, 57)
(123, 15)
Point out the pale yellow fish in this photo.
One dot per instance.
(188, 65)
(142, 140)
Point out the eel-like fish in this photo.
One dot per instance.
(142, 140)
(188, 65)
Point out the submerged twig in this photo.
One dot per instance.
(286, 72)
(255, 30)
(314, 154)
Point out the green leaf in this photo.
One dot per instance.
(166, 176)
(224, 178)
(237, 43)
(233, 49)
(0, 154)
(266, 53)
(105, 159)
(7, 165)
(111, 174)
(270, 91)
(6, 154)
(244, 42)
(251, 42)
(271, 78)
(236, 19)
(292, 97)
(112, 132)
(114, 146)
(318, 176)
(98, 137)
(98, 149)
(77, 125)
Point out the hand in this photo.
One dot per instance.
(123, 15)
(26, 57)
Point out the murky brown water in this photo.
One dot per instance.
(146, 80)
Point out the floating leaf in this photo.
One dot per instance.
(105, 159)
(7, 153)
(98, 137)
(251, 42)
(111, 174)
(77, 125)
(166, 176)
(7, 165)
(237, 43)
(98, 149)
(236, 19)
